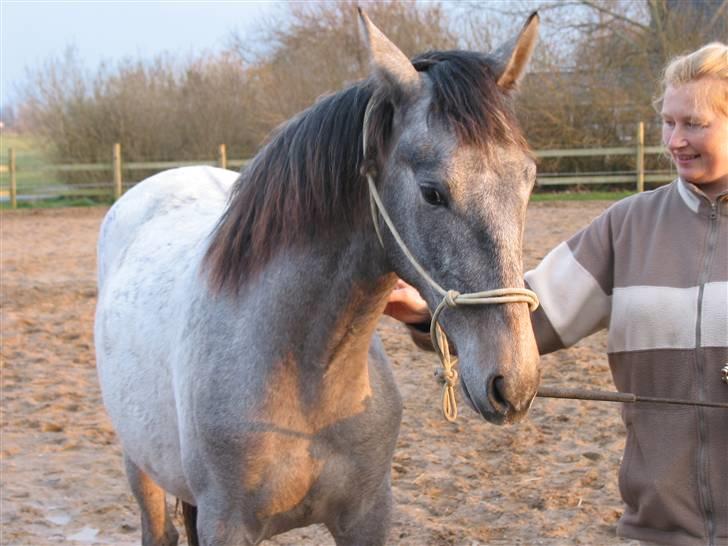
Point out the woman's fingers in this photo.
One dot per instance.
(405, 304)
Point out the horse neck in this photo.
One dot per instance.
(309, 318)
(334, 292)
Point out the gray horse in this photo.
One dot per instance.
(236, 314)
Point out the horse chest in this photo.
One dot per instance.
(285, 474)
(295, 462)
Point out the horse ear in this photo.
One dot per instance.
(389, 64)
(513, 56)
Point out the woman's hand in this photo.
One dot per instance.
(406, 305)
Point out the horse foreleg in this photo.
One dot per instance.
(372, 528)
(219, 523)
(189, 514)
(157, 527)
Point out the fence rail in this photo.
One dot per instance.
(39, 187)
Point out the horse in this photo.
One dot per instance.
(235, 323)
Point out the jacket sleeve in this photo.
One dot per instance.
(574, 285)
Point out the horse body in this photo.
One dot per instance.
(236, 314)
(232, 371)
(147, 271)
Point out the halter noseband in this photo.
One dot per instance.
(450, 298)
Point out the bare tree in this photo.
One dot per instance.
(158, 109)
(315, 49)
(597, 69)
(166, 108)
(607, 74)
(593, 76)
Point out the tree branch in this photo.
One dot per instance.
(600, 9)
(658, 20)
(717, 15)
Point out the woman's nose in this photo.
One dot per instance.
(676, 139)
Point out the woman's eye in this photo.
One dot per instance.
(432, 196)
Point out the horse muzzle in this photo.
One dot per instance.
(494, 403)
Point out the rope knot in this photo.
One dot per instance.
(448, 377)
(368, 168)
(450, 297)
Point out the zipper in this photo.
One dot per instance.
(703, 482)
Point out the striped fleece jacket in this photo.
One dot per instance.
(653, 269)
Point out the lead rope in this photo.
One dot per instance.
(450, 298)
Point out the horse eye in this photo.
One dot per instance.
(433, 196)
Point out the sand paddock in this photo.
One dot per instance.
(549, 480)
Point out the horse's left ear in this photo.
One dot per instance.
(389, 64)
(513, 56)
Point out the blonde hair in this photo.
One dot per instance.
(708, 62)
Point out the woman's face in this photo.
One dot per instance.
(696, 136)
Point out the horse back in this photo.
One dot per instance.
(193, 196)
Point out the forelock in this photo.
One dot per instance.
(466, 98)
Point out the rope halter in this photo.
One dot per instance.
(450, 298)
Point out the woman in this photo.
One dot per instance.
(653, 269)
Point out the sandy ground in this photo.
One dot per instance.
(549, 480)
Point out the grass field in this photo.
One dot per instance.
(581, 196)
(29, 151)
(30, 159)
(39, 185)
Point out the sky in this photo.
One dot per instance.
(33, 32)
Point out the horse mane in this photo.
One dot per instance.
(466, 97)
(306, 182)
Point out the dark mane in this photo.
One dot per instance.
(468, 99)
(306, 181)
(303, 182)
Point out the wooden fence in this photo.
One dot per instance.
(11, 191)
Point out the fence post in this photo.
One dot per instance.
(222, 156)
(13, 181)
(117, 171)
(641, 156)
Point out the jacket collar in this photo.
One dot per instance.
(695, 199)
(689, 195)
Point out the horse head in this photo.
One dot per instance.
(454, 173)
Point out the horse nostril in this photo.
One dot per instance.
(497, 394)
